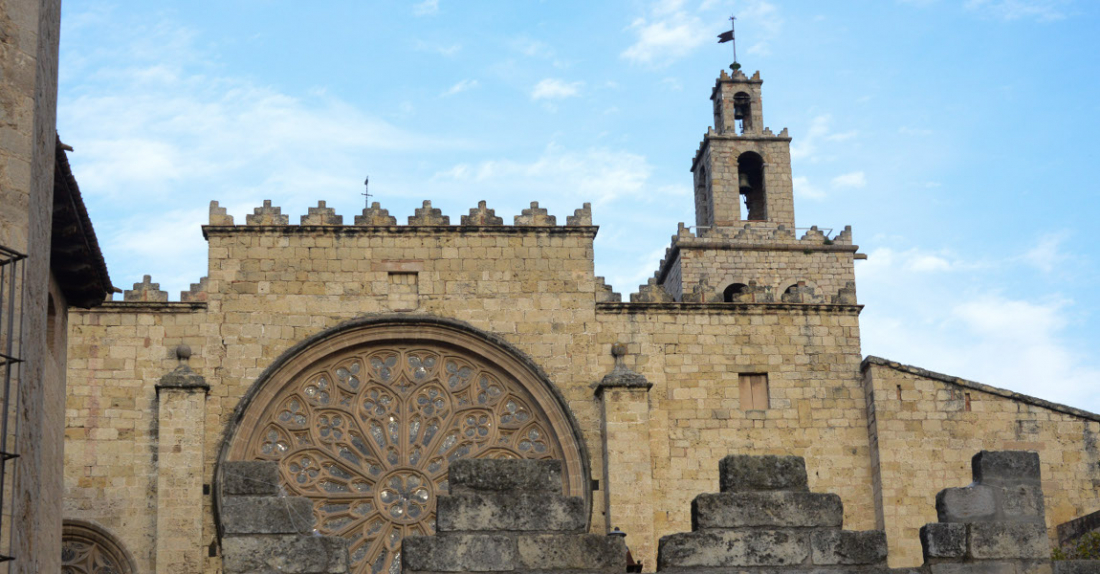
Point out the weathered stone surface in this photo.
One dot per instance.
(510, 511)
(322, 215)
(267, 215)
(766, 509)
(974, 503)
(1021, 503)
(718, 548)
(288, 554)
(1077, 567)
(266, 515)
(998, 540)
(997, 567)
(251, 478)
(482, 215)
(459, 553)
(146, 290)
(741, 473)
(943, 540)
(849, 547)
(467, 475)
(1006, 467)
(586, 552)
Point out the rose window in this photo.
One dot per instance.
(368, 436)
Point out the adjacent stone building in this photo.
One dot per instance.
(364, 358)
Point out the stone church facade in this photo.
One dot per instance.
(364, 357)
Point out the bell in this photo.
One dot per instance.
(743, 181)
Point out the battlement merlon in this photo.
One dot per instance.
(375, 219)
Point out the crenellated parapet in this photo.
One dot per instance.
(145, 291)
(322, 215)
(482, 215)
(605, 293)
(267, 215)
(375, 216)
(198, 291)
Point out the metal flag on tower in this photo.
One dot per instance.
(729, 37)
(366, 191)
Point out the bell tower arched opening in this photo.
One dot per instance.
(750, 183)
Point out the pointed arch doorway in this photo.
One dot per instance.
(365, 418)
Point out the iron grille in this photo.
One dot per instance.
(11, 329)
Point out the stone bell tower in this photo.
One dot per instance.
(742, 171)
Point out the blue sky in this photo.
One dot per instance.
(957, 137)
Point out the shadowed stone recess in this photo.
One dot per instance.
(974, 503)
(943, 540)
(766, 509)
(740, 473)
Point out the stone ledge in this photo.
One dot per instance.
(767, 509)
(997, 540)
(459, 553)
(849, 547)
(1077, 567)
(748, 473)
(579, 230)
(725, 548)
(288, 554)
(728, 308)
(510, 511)
(472, 474)
(584, 552)
(251, 478)
(245, 515)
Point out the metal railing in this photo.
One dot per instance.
(11, 331)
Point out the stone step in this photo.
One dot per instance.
(545, 553)
(745, 473)
(290, 554)
(250, 478)
(766, 509)
(510, 511)
(1006, 468)
(467, 475)
(266, 515)
(725, 548)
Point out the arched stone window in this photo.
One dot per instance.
(750, 181)
(365, 420)
(89, 549)
(742, 112)
(734, 292)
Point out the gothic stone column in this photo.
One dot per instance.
(627, 458)
(181, 409)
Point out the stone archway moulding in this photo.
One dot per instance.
(365, 417)
(88, 548)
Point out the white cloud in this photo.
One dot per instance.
(765, 23)
(598, 175)
(446, 51)
(555, 89)
(426, 8)
(460, 87)
(804, 189)
(666, 35)
(1039, 10)
(820, 132)
(1047, 255)
(855, 179)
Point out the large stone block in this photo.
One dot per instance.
(943, 540)
(740, 473)
(1005, 467)
(766, 509)
(519, 511)
(974, 503)
(266, 515)
(251, 478)
(998, 540)
(291, 554)
(459, 553)
(1021, 503)
(720, 548)
(585, 552)
(1077, 567)
(467, 475)
(992, 567)
(849, 547)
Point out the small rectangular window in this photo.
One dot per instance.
(754, 391)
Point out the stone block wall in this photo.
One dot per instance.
(924, 427)
(693, 355)
(510, 516)
(766, 519)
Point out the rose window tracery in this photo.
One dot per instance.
(88, 549)
(368, 435)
